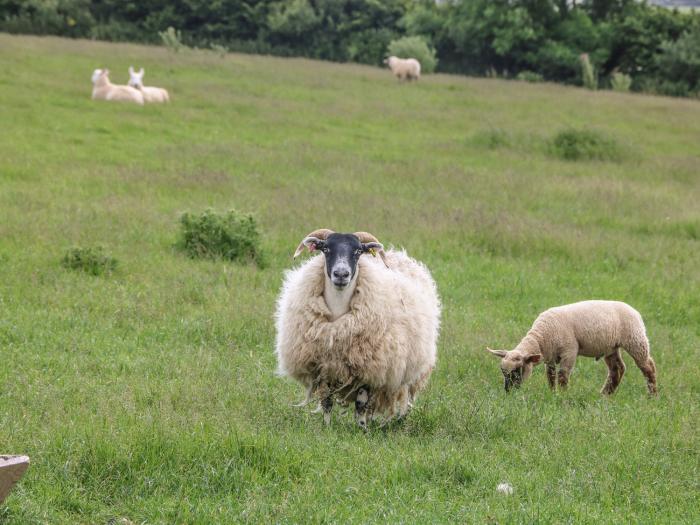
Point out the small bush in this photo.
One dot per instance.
(529, 76)
(620, 82)
(89, 260)
(584, 144)
(414, 47)
(588, 73)
(231, 236)
(172, 39)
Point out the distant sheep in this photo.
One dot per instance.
(588, 328)
(358, 329)
(103, 89)
(404, 68)
(150, 94)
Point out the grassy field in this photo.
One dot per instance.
(149, 394)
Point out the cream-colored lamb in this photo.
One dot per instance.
(404, 68)
(589, 328)
(150, 93)
(103, 89)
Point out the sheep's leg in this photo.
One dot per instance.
(646, 364)
(362, 406)
(552, 375)
(327, 406)
(565, 367)
(616, 369)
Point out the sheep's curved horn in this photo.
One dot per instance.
(366, 237)
(497, 353)
(321, 234)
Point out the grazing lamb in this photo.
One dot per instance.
(404, 68)
(103, 89)
(150, 94)
(358, 329)
(589, 328)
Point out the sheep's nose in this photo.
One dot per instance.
(341, 274)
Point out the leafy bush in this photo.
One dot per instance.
(584, 144)
(620, 82)
(231, 236)
(414, 47)
(588, 73)
(172, 39)
(679, 62)
(219, 50)
(89, 260)
(493, 138)
(529, 76)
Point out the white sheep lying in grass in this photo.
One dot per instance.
(358, 329)
(103, 89)
(588, 328)
(404, 68)
(150, 94)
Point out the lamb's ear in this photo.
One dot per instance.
(534, 358)
(141, 72)
(497, 353)
(131, 70)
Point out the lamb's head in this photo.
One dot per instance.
(136, 77)
(516, 366)
(99, 73)
(389, 60)
(342, 251)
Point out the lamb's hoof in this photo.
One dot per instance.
(327, 418)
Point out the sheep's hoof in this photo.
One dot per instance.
(361, 406)
(327, 406)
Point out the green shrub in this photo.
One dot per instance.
(219, 50)
(211, 235)
(620, 82)
(172, 39)
(89, 260)
(679, 64)
(529, 76)
(584, 144)
(414, 47)
(588, 73)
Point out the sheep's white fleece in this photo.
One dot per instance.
(404, 68)
(386, 341)
(588, 328)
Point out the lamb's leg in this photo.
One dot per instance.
(616, 369)
(640, 354)
(362, 402)
(566, 365)
(551, 375)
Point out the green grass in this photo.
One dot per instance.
(149, 393)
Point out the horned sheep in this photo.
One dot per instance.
(587, 328)
(150, 94)
(103, 89)
(404, 68)
(358, 329)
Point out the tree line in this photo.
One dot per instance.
(654, 49)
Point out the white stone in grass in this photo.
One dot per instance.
(505, 488)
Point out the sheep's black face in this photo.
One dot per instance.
(342, 251)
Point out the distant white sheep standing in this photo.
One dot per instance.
(103, 89)
(150, 94)
(588, 328)
(404, 68)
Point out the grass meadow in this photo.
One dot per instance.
(149, 393)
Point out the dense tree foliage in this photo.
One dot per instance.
(657, 47)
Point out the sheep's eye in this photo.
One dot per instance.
(358, 252)
(324, 249)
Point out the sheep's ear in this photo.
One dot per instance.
(141, 72)
(131, 70)
(534, 359)
(372, 247)
(311, 243)
(497, 353)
